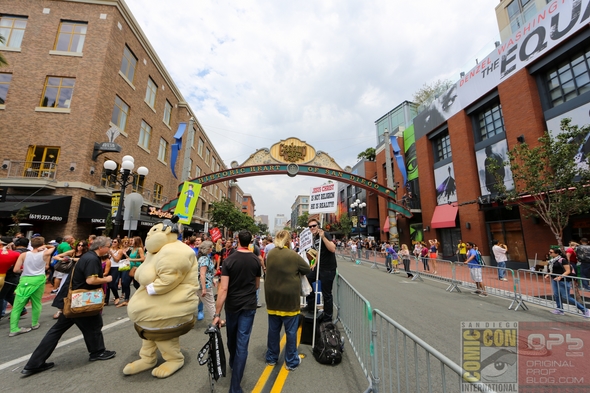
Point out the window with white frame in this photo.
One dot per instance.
(120, 113)
(207, 155)
(150, 92)
(167, 112)
(145, 134)
(163, 150)
(200, 147)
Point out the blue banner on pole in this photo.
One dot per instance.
(398, 157)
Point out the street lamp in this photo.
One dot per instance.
(357, 206)
(125, 177)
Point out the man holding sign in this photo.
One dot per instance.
(322, 241)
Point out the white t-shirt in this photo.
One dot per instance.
(34, 265)
(499, 253)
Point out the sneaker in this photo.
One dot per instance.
(106, 355)
(503, 279)
(557, 312)
(35, 327)
(476, 292)
(587, 313)
(483, 294)
(272, 364)
(200, 316)
(21, 331)
(294, 368)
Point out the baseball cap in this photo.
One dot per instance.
(36, 235)
(53, 243)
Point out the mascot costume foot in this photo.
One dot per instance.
(163, 307)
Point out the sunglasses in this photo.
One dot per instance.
(313, 226)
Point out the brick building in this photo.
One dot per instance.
(75, 71)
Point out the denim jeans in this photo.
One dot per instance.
(388, 264)
(275, 323)
(502, 269)
(239, 328)
(561, 291)
(113, 285)
(585, 273)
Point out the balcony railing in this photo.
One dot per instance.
(34, 170)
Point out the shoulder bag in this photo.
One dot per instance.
(65, 265)
(82, 302)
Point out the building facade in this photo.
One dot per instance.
(514, 14)
(83, 85)
(298, 208)
(248, 206)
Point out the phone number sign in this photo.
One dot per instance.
(526, 357)
(45, 217)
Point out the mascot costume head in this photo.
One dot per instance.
(164, 305)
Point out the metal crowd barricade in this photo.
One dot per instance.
(354, 313)
(536, 287)
(392, 358)
(403, 362)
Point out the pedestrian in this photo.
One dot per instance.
(475, 269)
(561, 274)
(322, 241)
(434, 246)
(75, 255)
(500, 251)
(115, 254)
(31, 286)
(388, 264)
(282, 289)
(461, 251)
(12, 278)
(424, 255)
(583, 255)
(393, 259)
(135, 254)
(240, 278)
(206, 274)
(405, 255)
(87, 275)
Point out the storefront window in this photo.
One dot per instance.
(510, 233)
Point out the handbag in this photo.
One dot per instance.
(65, 265)
(305, 286)
(82, 302)
(124, 265)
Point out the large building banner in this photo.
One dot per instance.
(187, 201)
(491, 156)
(410, 153)
(552, 25)
(446, 188)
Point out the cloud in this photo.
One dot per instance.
(256, 72)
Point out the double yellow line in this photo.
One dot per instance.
(280, 380)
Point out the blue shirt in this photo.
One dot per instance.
(473, 263)
(208, 263)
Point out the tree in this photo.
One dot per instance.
(427, 92)
(302, 220)
(108, 224)
(552, 179)
(262, 227)
(345, 224)
(3, 61)
(17, 217)
(368, 154)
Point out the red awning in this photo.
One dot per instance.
(444, 216)
(386, 224)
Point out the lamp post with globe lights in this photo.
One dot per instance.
(124, 178)
(357, 206)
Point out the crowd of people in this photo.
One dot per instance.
(229, 279)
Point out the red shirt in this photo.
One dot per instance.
(7, 260)
(573, 257)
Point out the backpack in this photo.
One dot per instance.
(328, 344)
(479, 258)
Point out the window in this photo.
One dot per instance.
(190, 161)
(71, 36)
(12, 28)
(197, 171)
(218, 167)
(200, 147)
(213, 162)
(138, 183)
(207, 155)
(570, 78)
(519, 12)
(120, 112)
(150, 92)
(4, 85)
(41, 161)
(57, 92)
(158, 190)
(167, 112)
(490, 121)
(128, 64)
(145, 133)
(163, 150)
(442, 147)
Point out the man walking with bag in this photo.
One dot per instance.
(87, 274)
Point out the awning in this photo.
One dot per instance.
(444, 216)
(386, 224)
(42, 208)
(93, 211)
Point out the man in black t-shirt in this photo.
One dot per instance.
(328, 267)
(240, 278)
(87, 274)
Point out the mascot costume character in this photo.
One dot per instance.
(164, 305)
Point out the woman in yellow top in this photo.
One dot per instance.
(282, 289)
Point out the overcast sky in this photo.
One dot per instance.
(256, 72)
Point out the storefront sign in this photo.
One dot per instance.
(159, 213)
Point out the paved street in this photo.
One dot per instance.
(423, 307)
